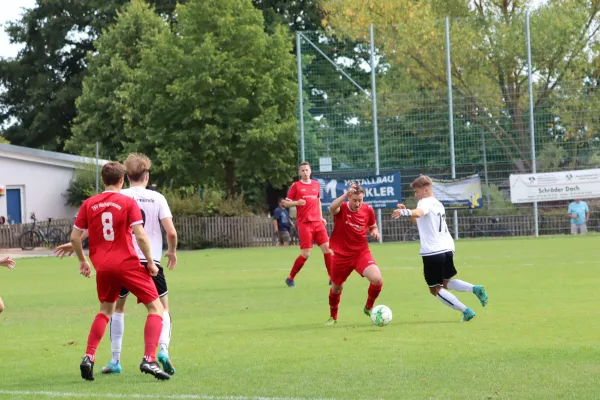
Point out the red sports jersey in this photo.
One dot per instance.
(311, 192)
(108, 217)
(349, 234)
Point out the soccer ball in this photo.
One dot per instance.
(381, 315)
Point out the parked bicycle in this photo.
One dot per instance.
(36, 236)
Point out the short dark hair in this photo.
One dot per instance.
(303, 163)
(112, 173)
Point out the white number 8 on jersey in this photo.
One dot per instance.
(107, 226)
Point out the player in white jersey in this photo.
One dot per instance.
(155, 212)
(437, 248)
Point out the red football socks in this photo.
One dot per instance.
(151, 335)
(373, 294)
(334, 303)
(96, 332)
(298, 264)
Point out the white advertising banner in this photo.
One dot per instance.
(553, 186)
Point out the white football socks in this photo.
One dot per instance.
(450, 300)
(117, 328)
(460, 286)
(165, 334)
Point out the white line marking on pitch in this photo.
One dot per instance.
(143, 396)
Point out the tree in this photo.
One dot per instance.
(37, 105)
(488, 56)
(213, 101)
(110, 70)
(305, 15)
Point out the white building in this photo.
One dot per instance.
(35, 181)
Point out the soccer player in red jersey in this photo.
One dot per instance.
(305, 195)
(109, 218)
(352, 220)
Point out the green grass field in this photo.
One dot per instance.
(240, 333)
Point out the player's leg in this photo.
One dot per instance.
(433, 269)
(144, 288)
(160, 282)
(366, 266)
(341, 268)
(583, 229)
(573, 229)
(306, 242)
(322, 241)
(1, 305)
(117, 329)
(459, 285)
(108, 287)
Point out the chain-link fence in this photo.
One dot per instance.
(481, 120)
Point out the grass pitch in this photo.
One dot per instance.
(239, 331)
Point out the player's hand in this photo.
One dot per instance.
(375, 234)
(172, 259)
(324, 221)
(152, 269)
(351, 189)
(300, 202)
(8, 262)
(85, 269)
(64, 250)
(396, 213)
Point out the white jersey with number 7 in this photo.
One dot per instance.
(433, 231)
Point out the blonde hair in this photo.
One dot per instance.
(137, 165)
(421, 181)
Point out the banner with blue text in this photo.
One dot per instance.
(459, 193)
(381, 191)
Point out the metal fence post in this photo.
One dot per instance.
(531, 121)
(451, 116)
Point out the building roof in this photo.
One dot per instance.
(45, 156)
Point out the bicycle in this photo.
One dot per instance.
(34, 236)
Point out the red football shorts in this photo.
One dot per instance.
(312, 231)
(137, 280)
(343, 265)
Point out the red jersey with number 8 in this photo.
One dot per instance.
(108, 218)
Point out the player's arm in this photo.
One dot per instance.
(289, 200)
(171, 255)
(372, 224)
(374, 232)
(76, 242)
(81, 226)
(334, 208)
(402, 211)
(287, 203)
(67, 248)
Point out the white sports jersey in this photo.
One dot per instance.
(154, 208)
(433, 231)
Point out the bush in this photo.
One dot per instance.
(82, 186)
(208, 203)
